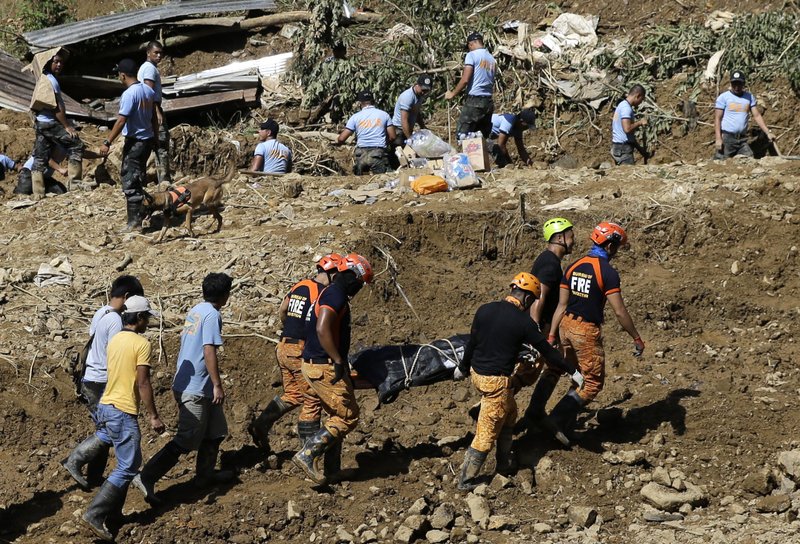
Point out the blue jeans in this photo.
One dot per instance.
(122, 431)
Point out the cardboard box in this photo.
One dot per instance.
(478, 152)
(407, 175)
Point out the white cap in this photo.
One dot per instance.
(137, 304)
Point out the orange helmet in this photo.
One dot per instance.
(358, 264)
(607, 232)
(329, 263)
(527, 282)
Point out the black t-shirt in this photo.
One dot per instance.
(334, 298)
(301, 298)
(547, 269)
(590, 280)
(498, 332)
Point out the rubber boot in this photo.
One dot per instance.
(563, 417)
(536, 410)
(74, 175)
(506, 463)
(155, 469)
(308, 457)
(259, 428)
(90, 449)
(473, 462)
(37, 185)
(205, 467)
(107, 500)
(332, 462)
(307, 429)
(134, 216)
(97, 466)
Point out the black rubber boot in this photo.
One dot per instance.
(332, 463)
(506, 462)
(205, 467)
(473, 462)
(259, 428)
(97, 466)
(155, 469)
(84, 453)
(308, 457)
(307, 429)
(536, 409)
(562, 419)
(108, 499)
(134, 216)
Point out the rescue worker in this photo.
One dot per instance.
(7, 164)
(197, 388)
(57, 155)
(150, 76)
(510, 125)
(731, 116)
(560, 239)
(296, 391)
(270, 155)
(499, 331)
(624, 125)
(408, 109)
(52, 129)
(478, 79)
(138, 123)
(373, 133)
(325, 365)
(585, 287)
(118, 412)
(105, 324)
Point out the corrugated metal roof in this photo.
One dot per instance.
(16, 90)
(99, 26)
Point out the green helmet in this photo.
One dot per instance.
(554, 226)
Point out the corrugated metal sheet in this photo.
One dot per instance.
(99, 26)
(16, 90)
(235, 74)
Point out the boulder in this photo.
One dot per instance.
(671, 500)
(420, 506)
(443, 516)
(661, 476)
(774, 504)
(435, 536)
(790, 463)
(478, 509)
(759, 482)
(416, 523)
(582, 516)
(404, 534)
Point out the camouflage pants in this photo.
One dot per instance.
(134, 168)
(371, 159)
(476, 116)
(732, 145)
(296, 391)
(622, 154)
(338, 400)
(582, 343)
(162, 154)
(49, 135)
(498, 409)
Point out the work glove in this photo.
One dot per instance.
(459, 374)
(577, 377)
(528, 354)
(340, 370)
(639, 346)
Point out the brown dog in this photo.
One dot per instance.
(185, 199)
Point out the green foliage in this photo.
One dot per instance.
(37, 14)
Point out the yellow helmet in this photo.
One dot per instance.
(527, 282)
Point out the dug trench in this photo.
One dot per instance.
(712, 399)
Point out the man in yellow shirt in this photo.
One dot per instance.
(118, 411)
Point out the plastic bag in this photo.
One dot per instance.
(458, 172)
(427, 144)
(427, 184)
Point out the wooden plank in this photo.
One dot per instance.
(204, 100)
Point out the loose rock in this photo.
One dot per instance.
(443, 516)
(499, 523)
(583, 516)
(671, 500)
(759, 482)
(435, 536)
(774, 504)
(478, 509)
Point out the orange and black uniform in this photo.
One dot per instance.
(589, 281)
(296, 390)
(498, 333)
(338, 399)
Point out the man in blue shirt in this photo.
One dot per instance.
(373, 132)
(198, 390)
(137, 122)
(731, 116)
(408, 109)
(478, 79)
(53, 128)
(150, 76)
(624, 125)
(6, 164)
(270, 155)
(509, 124)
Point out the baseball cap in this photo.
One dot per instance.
(365, 96)
(126, 66)
(137, 304)
(475, 36)
(425, 81)
(270, 125)
(738, 76)
(528, 117)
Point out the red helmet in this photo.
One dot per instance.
(358, 264)
(607, 232)
(329, 263)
